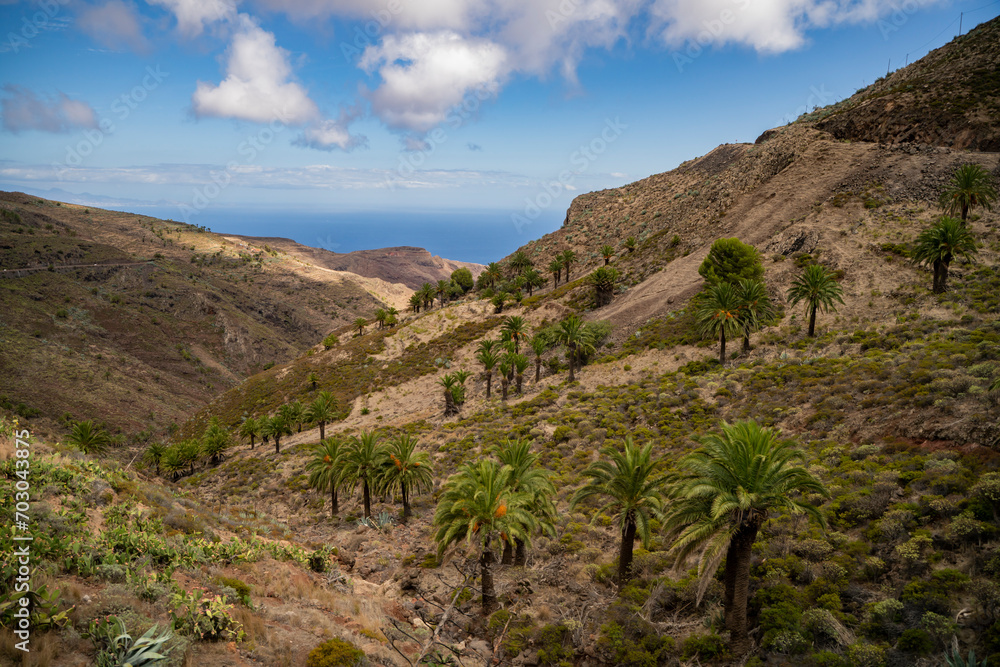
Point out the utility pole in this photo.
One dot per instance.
(960, 15)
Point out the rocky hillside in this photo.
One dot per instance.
(951, 97)
(404, 264)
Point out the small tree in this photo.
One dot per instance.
(505, 367)
(380, 316)
(630, 244)
(278, 427)
(215, 441)
(520, 363)
(362, 461)
(89, 438)
(577, 339)
(604, 280)
(154, 455)
(489, 359)
(463, 278)
(538, 346)
(250, 429)
(607, 252)
(415, 302)
(360, 324)
(533, 279)
(970, 186)
(819, 290)
(755, 308)
(946, 240)
(322, 411)
(555, 268)
(729, 261)
(568, 259)
(295, 413)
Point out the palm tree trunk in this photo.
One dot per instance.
(739, 551)
(570, 358)
(520, 553)
(625, 552)
(489, 591)
(251, 442)
(965, 212)
(334, 505)
(489, 383)
(322, 430)
(538, 369)
(406, 502)
(504, 383)
(520, 380)
(368, 499)
(722, 347)
(277, 444)
(508, 553)
(812, 320)
(746, 341)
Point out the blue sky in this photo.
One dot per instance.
(399, 105)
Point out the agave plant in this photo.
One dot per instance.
(118, 649)
(954, 659)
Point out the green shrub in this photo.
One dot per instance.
(562, 433)
(336, 653)
(703, 647)
(916, 641)
(330, 341)
(866, 655)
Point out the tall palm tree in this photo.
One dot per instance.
(528, 477)
(520, 363)
(295, 413)
(499, 301)
(721, 496)
(946, 240)
(492, 275)
(755, 308)
(971, 185)
(406, 469)
(322, 411)
(818, 289)
(174, 461)
(577, 339)
(555, 268)
(360, 323)
(538, 346)
(568, 259)
(250, 429)
(489, 359)
(427, 294)
(628, 480)
(449, 383)
(519, 262)
(604, 279)
(415, 302)
(442, 291)
(718, 314)
(477, 504)
(89, 438)
(277, 427)
(607, 252)
(532, 280)
(361, 465)
(380, 316)
(516, 329)
(391, 316)
(506, 368)
(326, 469)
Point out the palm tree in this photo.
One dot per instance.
(391, 316)
(718, 314)
(174, 461)
(250, 429)
(538, 346)
(755, 308)
(449, 383)
(380, 316)
(295, 413)
(533, 279)
(604, 280)
(154, 455)
(627, 479)
(190, 452)
(939, 245)
(322, 411)
(520, 363)
(498, 301)
(489, 359)
(360, 323)
(492, 274)
(361, 465)
(577, 339)
(519, 262)
(607, 252)
(818, 289)
(724, 492)
(278, 426)
(89, 437)
(442, 291)
(427, 294)
(568, 258)
(971, 185)
(478, 504)
(215, 441)
(415, 302)
(326, 469)
(406, 468)
(630, 244)
(528, 477)
(516, 329)
(555, 268)
(505, 368)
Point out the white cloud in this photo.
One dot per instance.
(114, 24)
(425, 75)
(257, 86)
(23, 110)
(194, 15)
(330, 134)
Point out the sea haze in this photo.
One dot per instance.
(471, 236)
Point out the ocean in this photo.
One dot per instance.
(479, 236)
